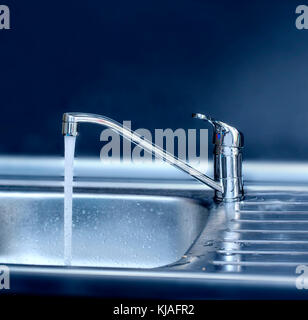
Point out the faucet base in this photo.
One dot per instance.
(233, 190)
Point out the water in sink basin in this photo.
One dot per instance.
(108, 230)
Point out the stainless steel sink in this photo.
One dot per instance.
(153, 228)
(109, 230)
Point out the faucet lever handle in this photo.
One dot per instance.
(224, 134)
(228, 143)
(204, 118)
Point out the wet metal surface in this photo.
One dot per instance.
(109, 230)
(161, 231)
(267, 234)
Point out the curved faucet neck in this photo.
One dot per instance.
(222, 185)
(70, 127)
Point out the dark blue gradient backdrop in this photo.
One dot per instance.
(154, 62)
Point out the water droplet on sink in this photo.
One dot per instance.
(209, 243)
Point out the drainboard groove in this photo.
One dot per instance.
(274, 203)
(273, 212)
(257, 264)
(268, 221)
(267, 231)
(266, 241)
(259, 252)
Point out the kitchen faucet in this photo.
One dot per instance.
(228, 141)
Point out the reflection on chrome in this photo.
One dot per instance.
(227, 182)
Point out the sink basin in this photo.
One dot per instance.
(109, 230)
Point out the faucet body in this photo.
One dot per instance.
(227, 181)
(228, 171)
(228, 144)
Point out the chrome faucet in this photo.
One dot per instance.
(227, 182)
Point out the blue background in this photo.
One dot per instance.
(154, 62)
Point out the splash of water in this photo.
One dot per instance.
(69, 147)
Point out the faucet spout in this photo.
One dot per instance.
(70, 128)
